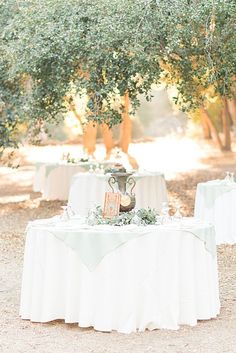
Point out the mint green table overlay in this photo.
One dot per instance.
(211, 191)
(92, 243)
(38, 165)
(50, 167)
(207, 235)
(141, 175)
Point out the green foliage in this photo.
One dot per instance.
(51, 50)
(140, 217)
(202, 56)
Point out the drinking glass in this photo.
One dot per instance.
(178, 216)
(97, 169)
(70, 211)
(102, 171)
(65, 215)
(91, 170)
(232, 177)
(165, 212)
(227, 177)
(91, 217)
(164, 208)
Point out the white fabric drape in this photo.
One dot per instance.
(56, 184)
(222, 214)
(160, 280)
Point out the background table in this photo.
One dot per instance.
(88, 190)
(161, 279)
(216, 203)
(53, 180)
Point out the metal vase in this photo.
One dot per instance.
(123, 180)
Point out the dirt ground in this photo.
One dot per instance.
(18, 205)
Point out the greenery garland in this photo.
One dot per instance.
(141, 217)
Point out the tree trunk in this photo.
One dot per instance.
(76, 114)
(89, 137)
(226, 125)
(133, 162)
(205, 126)
(89, 129)
(72, 108)
(214, 132)
(232, 109)
(107, 139)
(126, 126)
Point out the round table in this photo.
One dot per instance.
(125, 278)
(88, 190)
(216, 203)
(53, 180)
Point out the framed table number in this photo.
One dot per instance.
(111, 205)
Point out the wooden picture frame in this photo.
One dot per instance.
(111, 204)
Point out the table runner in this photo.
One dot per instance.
(92, 243)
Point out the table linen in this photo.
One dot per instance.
(216, 203)
(158, 280)
(53, 180)
(88, 190)
(92, 243)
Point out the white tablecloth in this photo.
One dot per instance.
(159, 280)
(88, 190)
(53, 180)
(216, 203)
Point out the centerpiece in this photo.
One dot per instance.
(123, 179)
(140, 217)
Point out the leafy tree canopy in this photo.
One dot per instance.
(51, 50)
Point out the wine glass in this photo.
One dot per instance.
(102, 170)
(65, 215)
(227, 177)
(91, 217)
(70, 211)
(165, 212)
(232, 177)
(164, 208)
(178, 216)
(97, 169)
(91, 170)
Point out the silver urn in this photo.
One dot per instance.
(123, 181)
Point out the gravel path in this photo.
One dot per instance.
(19, 205)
